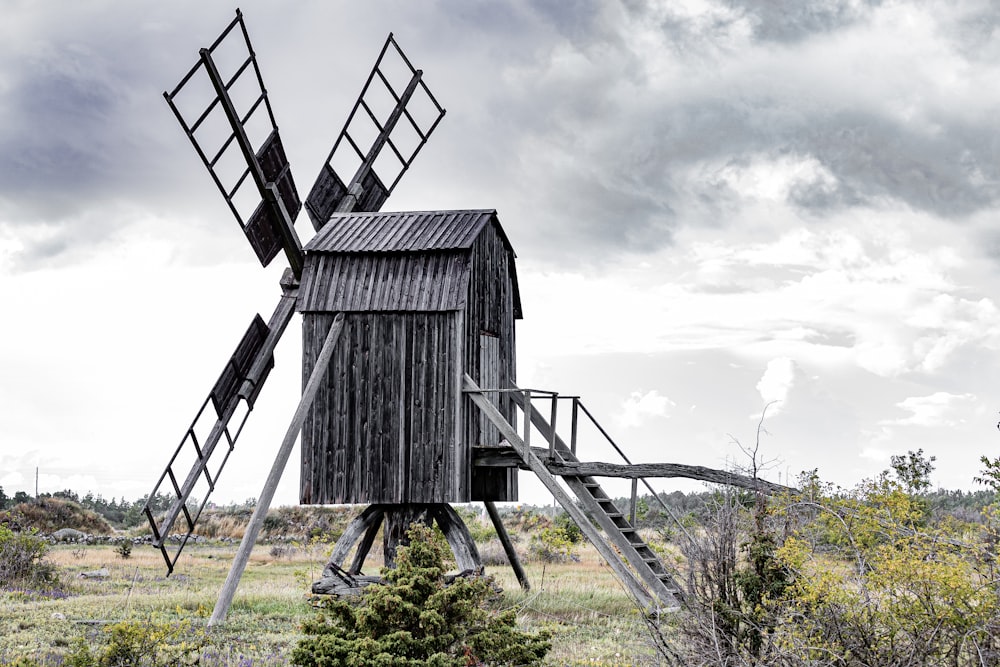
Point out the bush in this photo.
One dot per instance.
(22, 561)
(553, 544)
(569, 528)
(416, 619)
(124, 550)
(142, 642)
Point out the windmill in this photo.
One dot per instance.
(409, 397)
(224, 109)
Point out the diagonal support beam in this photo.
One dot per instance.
(508, 546)
(281, 460)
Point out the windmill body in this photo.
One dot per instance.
(426, 298)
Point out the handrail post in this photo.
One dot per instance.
(552, 423)
(573, 427)
(635, 489)
(527, 418)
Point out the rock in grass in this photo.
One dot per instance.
(69, 535)
(96, 574)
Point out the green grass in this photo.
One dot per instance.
(593, 619)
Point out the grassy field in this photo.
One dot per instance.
(593, 620)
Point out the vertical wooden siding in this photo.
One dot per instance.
(383, 426)
(490, 309)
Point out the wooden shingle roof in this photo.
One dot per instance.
(396, 261)
(403, 231)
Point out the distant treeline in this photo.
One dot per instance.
(119, 513)
(690, 508)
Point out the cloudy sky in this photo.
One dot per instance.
(716, 204)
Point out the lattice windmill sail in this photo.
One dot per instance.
(224, 109)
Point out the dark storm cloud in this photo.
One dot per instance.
(54, 143)
(950, 173)
(794, 20)
(74, 112)
(561, 111)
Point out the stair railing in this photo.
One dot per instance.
(554, 454)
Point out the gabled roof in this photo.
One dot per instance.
(396, 261)
(403, 231)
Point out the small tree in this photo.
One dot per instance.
(416, 619)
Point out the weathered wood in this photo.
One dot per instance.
(507, 457)
(609, 554)
(261, 364)
(398, 519)
(645, 562)
(508, 546)
(640, 470)
(393, 425)
(341, 585)
(367, 522)
(457, 533)
(280, 461)
(364, 547)
(387, 429)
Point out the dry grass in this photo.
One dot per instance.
(594, 621)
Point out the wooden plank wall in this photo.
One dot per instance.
(383, 426)
(490, 309)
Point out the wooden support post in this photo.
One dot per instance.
(459, 539)
(527, 418)
(552, 421)
(508, 546)
(364, 527)
(364, 546)
(635, 499)
(398, 519)
(576, 414)
(281, 460)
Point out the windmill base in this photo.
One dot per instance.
(338, 580)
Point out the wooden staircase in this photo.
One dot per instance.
(635, 563)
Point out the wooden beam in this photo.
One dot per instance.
(508, 546)
(280, 461)
(640, 470)
(505, 457)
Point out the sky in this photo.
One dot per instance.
(718, 207)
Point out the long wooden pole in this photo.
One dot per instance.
(508, 546)
(280, 461)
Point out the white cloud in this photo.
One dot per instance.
(776, 382)
(938, 409)
(639, 407)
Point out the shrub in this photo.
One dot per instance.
(142, 642)
(124, 550)
(553, 544)
(22, 561)
(415, 619)
(569, 528)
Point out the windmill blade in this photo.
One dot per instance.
(394, 79)
(223, 107)
(232, 399)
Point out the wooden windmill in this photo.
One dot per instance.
(408, 372)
